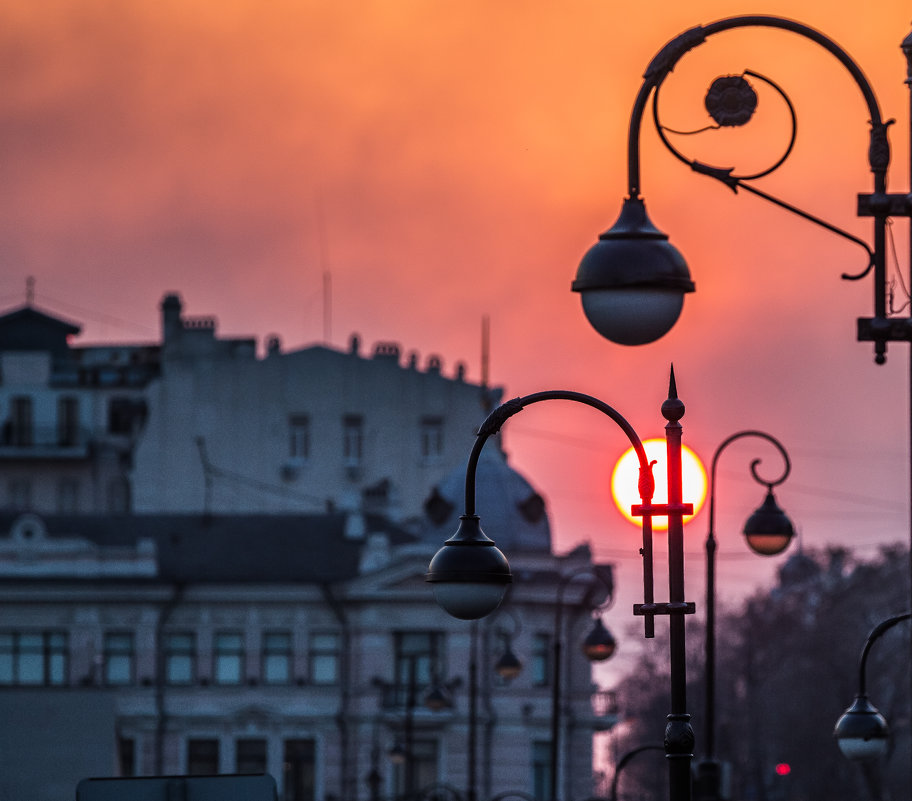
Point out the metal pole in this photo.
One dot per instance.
(555, 694)
(907, 49)
(679, 739)
(409, 711)
(473, 709)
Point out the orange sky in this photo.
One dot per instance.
(451, 160)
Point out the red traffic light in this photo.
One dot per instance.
(783, 769)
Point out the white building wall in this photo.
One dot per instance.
(241, 408)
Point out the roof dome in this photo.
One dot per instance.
(512, 513)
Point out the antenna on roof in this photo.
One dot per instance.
(327, 275)
(29, 290)
(327, 307)
(486, 397)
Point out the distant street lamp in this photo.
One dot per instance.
(633, 281)
(508, 665)
(861, 732)
(768, 532)
(623, 762)
(470, 575)
(598, 646)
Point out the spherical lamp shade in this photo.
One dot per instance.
(862, 731)
(508, 667)
(768, 530)
(397, 754)
(633, 280)
(469, 574)
(437, 699)
(599, 645)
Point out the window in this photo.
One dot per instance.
(229, 658)
(541, 660)
(276, 657)
(21, 432)
(324, 658)
(20, 494)
(126, 756)
(541, 770)
(202, 757)
(299, 436)
(68, 495)
(180, 650)
(423, 768)
(431, 438)
(352, 440)
(417, 654)
(250, 756)
(126, 415)
(67, 421)
(298, 773)
(118, 658)
(118, 491)
(33, 658)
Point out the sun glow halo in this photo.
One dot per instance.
(626, 474)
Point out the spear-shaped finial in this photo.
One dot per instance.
(672, 409)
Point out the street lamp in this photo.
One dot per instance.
(598, 646)
(768, 532)
(861, 732)
(633, 280)
(470, 575)
(508, 665)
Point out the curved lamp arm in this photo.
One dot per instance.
(502, 413)
(753, 468)
(876, 633)
(622, 763)
(666, 59)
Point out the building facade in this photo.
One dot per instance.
(199, 424)
(304, 647)
(213, 561)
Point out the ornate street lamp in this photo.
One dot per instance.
(470, 575)
(768, 532)
(633, 280)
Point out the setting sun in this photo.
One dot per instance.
(626, 473)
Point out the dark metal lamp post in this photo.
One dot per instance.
(768, 532)
(470, 575)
